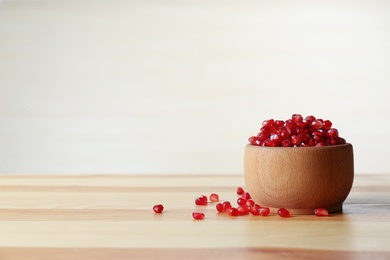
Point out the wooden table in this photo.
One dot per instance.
(111, 217)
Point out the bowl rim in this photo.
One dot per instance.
(300, 147)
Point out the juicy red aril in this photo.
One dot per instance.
(198, 215)
(241, 201)
(246, 195)
(268, 123)
(201, 201)
(240, 191)
(219, 207)
(333, 133)
(284, 213)
(255, 209)
(243, 210)
(158, 208)
(264, 211)
(214, 197)
(250, 203)
(232, 212)
(297, 118)
(321, 212)
(226, 205)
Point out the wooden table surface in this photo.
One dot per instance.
(111, 217)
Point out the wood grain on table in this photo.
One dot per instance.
(111, 217)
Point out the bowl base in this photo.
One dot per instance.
(333, 209)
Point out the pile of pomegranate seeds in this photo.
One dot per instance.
(297, 132)
(245, 206)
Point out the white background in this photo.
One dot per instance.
(179, 86)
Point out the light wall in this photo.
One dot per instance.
(179, 86)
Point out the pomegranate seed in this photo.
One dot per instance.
(310, 118)
(246, 195)
(297, 118)
(198, 215)
(240, 191)
(201, 201)
(321, 212)
(214, 197)
(264, 211)
(250, 203)
(226, 205)
(232, 212)
(255, 210)
(333, 133)
(219, 207)
(327, 124)
(241, 201)
(158, 208)
(268, 123)
(284, 213)
(243, 210)
(286, 143)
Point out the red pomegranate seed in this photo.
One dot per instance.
(226, 205)
(198, 215)
(250, 203)
(327, 124)
(284, 213)
(219, 207)
(201, 201)
(264, 211)
(297, 118)
(255, 210)
(214, 197)
(316, 124)
(310, 118)
(241, 201)
(158, 208)
(321, 212)
(243, 210)
(333, 133)
(268, 123)
(246, 195)
(232, 212)
(240, 191)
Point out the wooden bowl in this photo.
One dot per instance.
(299, 179)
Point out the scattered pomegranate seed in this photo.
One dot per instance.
(219, 207)
(240, 191)
(255, 210)
(198, 215)
(241, 201)
(284, 213)
(321, 212)
(246, 195)
(232, 212)
(243, 210)
(226, 205)
(250, 203)
(158, 208)
(214, 197)
(297, 132)
(201, 201)
(264, 211)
